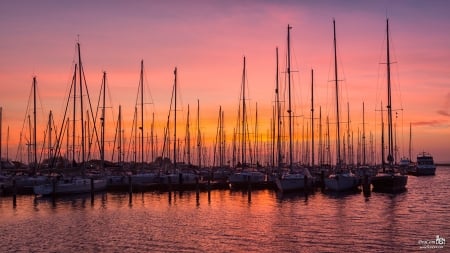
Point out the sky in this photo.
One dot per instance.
(207, 40)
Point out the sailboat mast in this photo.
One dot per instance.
(312, 118)
(349, 146)
(74, 112)
(175, 120)
(83, 148)
(289, 94)
(1, 133)
(338, 137)
(278, 113)
(243, 117)
(34, 128)
(142, 111)
(364, 138)
(120, 135)
(199, 149)
(50, 119)
(382, 138)
(389, 106)
(102, 152)
(188, 138)
(410, 137)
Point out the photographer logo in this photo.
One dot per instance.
(437, 243)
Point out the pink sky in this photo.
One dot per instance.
(207, 40)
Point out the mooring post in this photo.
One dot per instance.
(14, 192)
(130, 189)
(92, 190)
(249, 189)
(305, 182)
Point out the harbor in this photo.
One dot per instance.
(255, 126)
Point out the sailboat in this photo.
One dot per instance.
(142, 179)
(184, 179)
(342, 179)
(295, 178)
(244, 174)
(389, 180)
(61, 186)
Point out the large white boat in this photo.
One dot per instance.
(74, 186)
(294, 181)
(425, 165)
(244, 178)
(342, 181)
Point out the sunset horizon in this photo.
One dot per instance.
(207, 42)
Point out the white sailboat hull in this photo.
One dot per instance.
(73, 187)
(293, 182)
(241, 179)
(341, 182)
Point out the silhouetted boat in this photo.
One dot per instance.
(245, 173)
(299, 178)
(342, 179)
(389, 180)
(73, 186)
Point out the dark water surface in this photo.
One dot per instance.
(229, 222)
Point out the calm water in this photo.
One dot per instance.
(229, 222)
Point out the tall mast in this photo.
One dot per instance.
(120, 135)
(102, 136)
(175, 120)
(312, 118)
(364, 139)
(278, 114)
(80, 69)
(338, 138)
(142, 111)
(34, 128)
(222, 134)
(382, 138)
(50, 119)
(289, 94)
(320, 137)
(188, 139)
(135, 135)
(256, 151)
(152, 137)
(1, 133)
(410, 137)
(74, 112)
(199, 149)
(349, 146)
(243, 117)
(389, 106)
